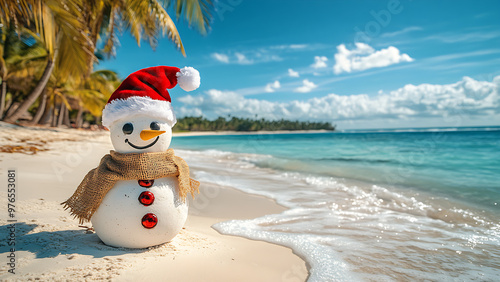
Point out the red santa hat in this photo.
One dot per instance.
(145, 92)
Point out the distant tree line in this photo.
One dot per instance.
(240, 124)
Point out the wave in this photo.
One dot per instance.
(355, 160)
(425, 129)
(419, 172)
(331, 220)
(276, 170)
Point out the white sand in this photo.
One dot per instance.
(51, 247)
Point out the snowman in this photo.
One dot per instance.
(136, 197)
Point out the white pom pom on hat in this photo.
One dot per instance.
(188, 78)
(145, 92)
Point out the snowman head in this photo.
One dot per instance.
(141, 134)
(139, 113)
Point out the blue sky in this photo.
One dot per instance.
(358, 64)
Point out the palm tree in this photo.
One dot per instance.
(90, 94)
(20, 56)
(144, 19)
(58, 26)
(64, 25)
(56, 92)
(94, 94)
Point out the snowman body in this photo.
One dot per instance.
(123, 218)
(139, 213)
(118, 220)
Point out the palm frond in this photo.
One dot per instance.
(112, 41)
(132, 20)
(57, 24)
(167, 25)
(28, 67)
(17, 11)
(104, 81)
(63, 99)
(108, 74)
(3, 67)
(74, 52)
(91, 100)
(195, 11)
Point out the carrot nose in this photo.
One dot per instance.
(147, 134)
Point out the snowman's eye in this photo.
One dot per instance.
(128, 128)
(154, 126)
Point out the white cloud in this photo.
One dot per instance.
(242, 59)
(220, 57)
(271, 87)
(468, 98)
(476, 36)
(401, 32)
(298, 46)
(247, 57)
(364, 57)
(290, 47)
(221, 103)
(307, 86)
(293, 73)
(319, 62)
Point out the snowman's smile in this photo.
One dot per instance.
(143, 147)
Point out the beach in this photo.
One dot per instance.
(358, 143)
(50, 245)
(412, 204)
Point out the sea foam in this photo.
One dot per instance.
(351, 230)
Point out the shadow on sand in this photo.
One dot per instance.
(46, 244)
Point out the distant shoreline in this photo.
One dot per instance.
(209, 133)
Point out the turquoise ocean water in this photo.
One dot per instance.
(368, 205)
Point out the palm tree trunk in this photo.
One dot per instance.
(47, 114)
(79, 118)
(36, 92)
(60, 115)
(66, 117)
(54, 114)
(2, 102)
(12, 108)
(41, 109)
(7, 105)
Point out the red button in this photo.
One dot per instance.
(146, 183)
(146, 198)
(149, 220)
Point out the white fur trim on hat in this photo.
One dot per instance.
(136, 105)
(188, 78)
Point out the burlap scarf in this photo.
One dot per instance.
(134, 166)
